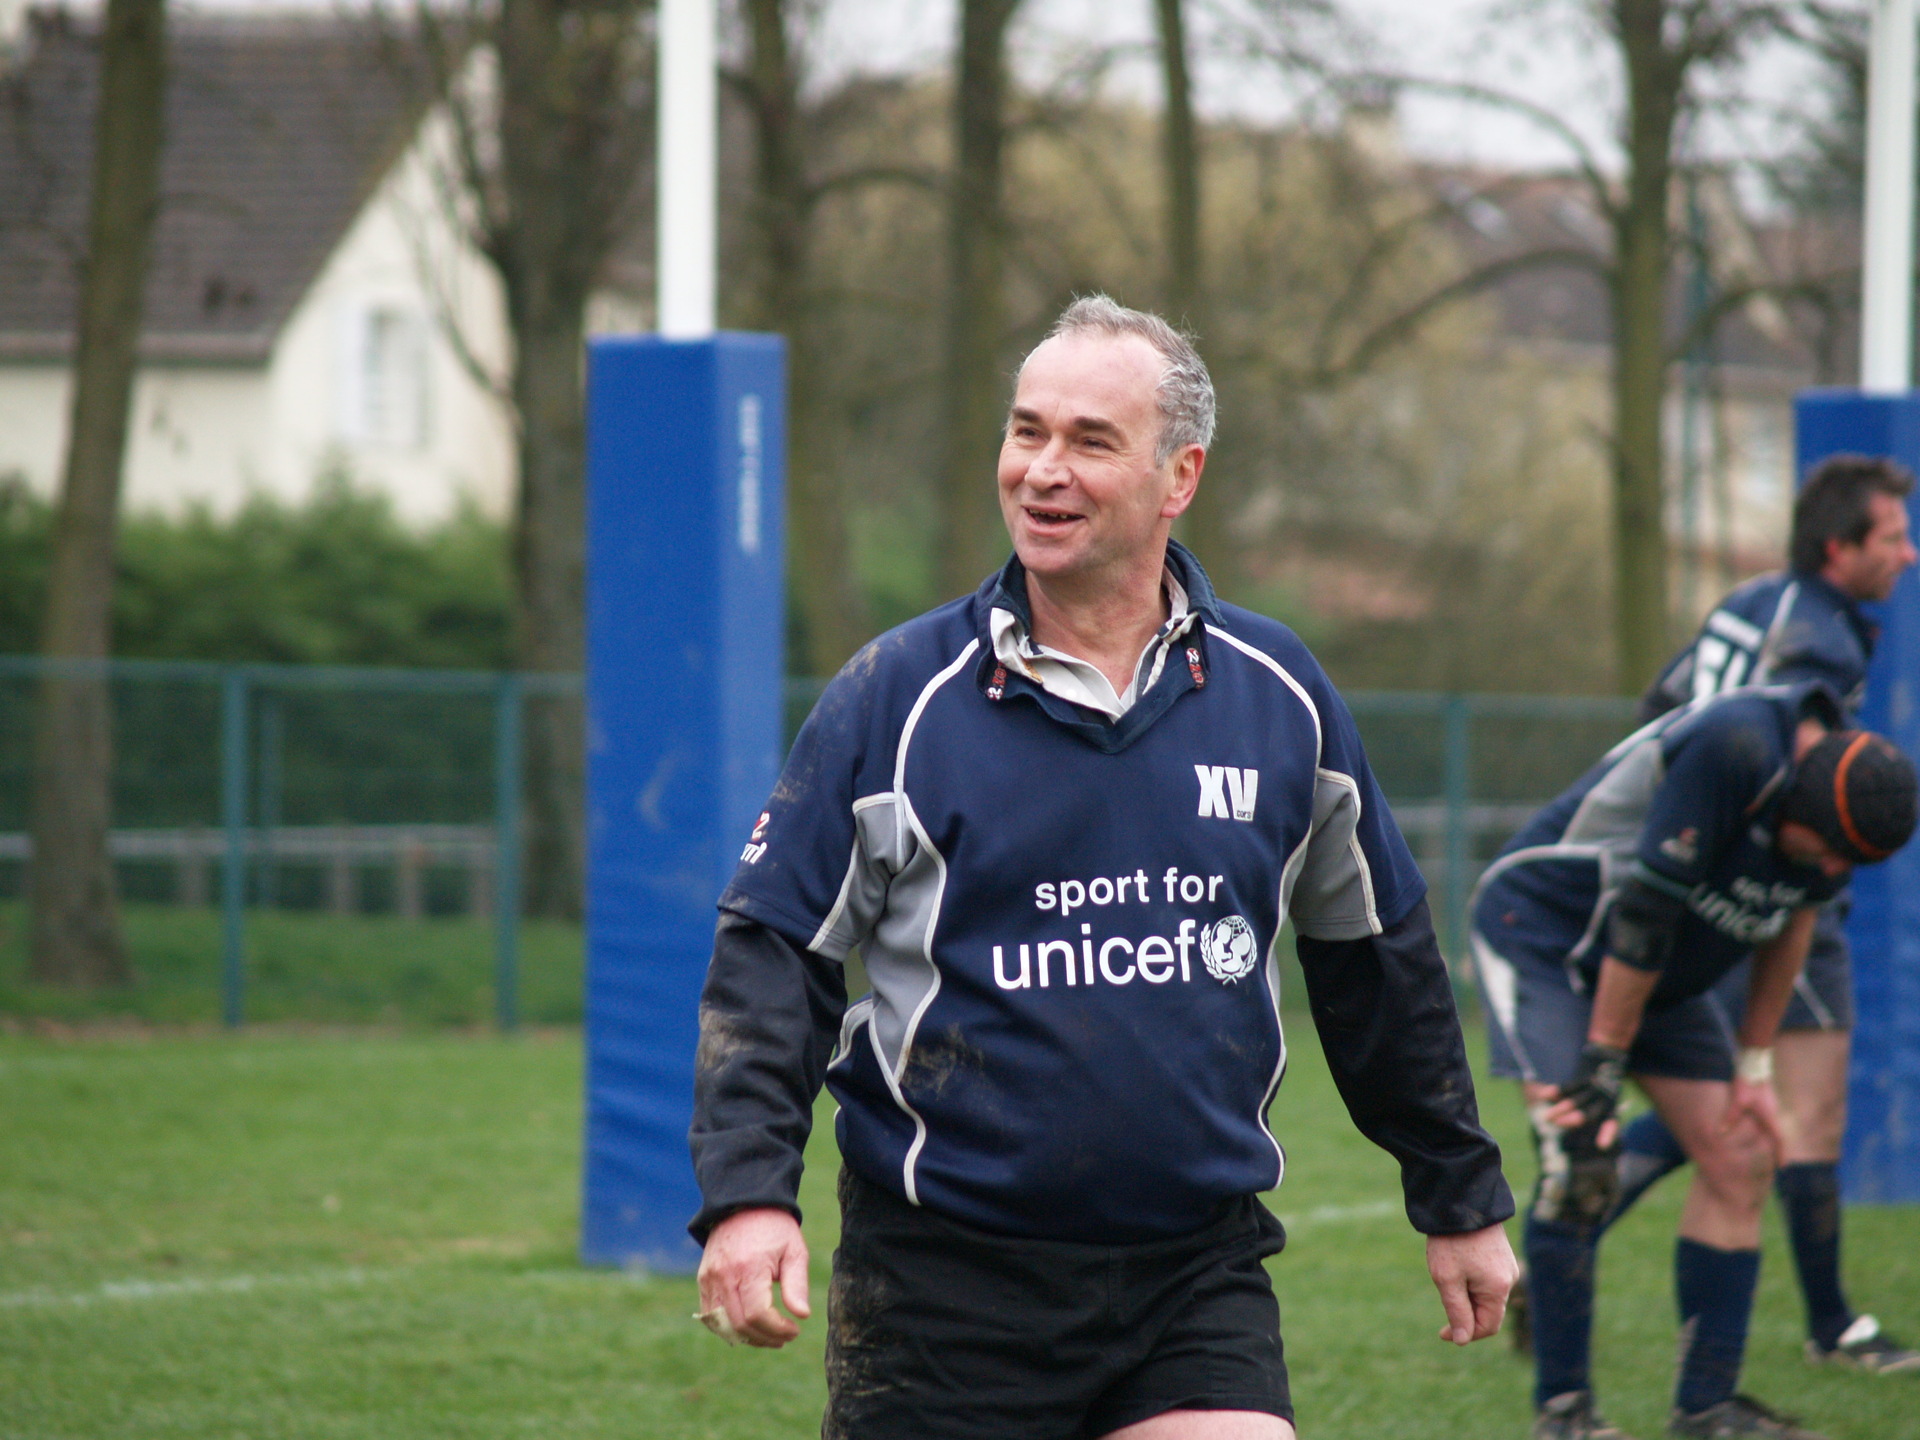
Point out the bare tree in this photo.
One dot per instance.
(76, 938)
(1180, 152)
(1186, 291)
(1665, 47)
(833, 610)
(552, 147)
(975, 387)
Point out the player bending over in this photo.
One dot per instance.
(1850, 544)
(1711, 835)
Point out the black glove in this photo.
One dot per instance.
(1579, 1177)
(1595, 1087)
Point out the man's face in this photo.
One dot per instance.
(1867, 571)
(1803, 846)
(1079, 487)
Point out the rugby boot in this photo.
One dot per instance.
(1737, 1417)
(1572, 1417)
(1863, 1345)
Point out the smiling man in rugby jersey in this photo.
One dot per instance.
(1064, 819)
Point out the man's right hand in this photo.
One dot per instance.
(745, 1255)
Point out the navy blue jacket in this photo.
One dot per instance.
(1687, 805)
(1774, 630)
(1069, 925)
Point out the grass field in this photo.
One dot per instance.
(308, 967)
(372, 1235)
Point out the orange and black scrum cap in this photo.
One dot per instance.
(1857, 791)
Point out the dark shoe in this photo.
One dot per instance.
(1740, 1415)
(1863, 1346)
(1519, 1326)
(1572, 1417)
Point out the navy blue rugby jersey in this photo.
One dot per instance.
(1687, 804)
(1778, 629)
(1069, 924)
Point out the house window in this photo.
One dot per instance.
(385, 382)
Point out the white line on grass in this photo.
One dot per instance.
(123, 1291)
(110, 1291)
(1336, 1214)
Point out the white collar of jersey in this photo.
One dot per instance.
(1080, 681)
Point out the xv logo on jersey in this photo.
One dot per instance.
(1218, 782)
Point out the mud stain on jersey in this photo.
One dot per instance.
(937, 1059)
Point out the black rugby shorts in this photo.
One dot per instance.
(939, 1331)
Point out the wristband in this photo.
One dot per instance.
(1755, 1065)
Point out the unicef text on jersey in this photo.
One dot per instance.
(1227, 947)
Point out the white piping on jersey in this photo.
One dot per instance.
(894, 1072)
(1742, 632)
(1554, 851)
(1599, 794)
(855, 1017)
(1291, 869)
(1763, 662)
(1319, 738)
(820, 936)
(1290, 872)
(1280, 1068)
(1560, 850)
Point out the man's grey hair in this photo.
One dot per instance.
(1185, 389)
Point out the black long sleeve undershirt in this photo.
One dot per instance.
(1384, 1008)
(770, 1016)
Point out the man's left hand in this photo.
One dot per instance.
(1474, 1273)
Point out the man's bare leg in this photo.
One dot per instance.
(1207, 1425)
(1810, 1077)
(1732, 1166)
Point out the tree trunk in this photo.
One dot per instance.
(1205, 524)
(833, 609)
(75, 926)
(1181, 158)
(550, 571)
(975, 383)
(566, 163)
(1639, 284)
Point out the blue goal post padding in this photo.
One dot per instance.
(1881, 1159)
(686, 450)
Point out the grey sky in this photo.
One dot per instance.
(1530, 48)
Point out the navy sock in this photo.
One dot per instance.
(1560, 1265)
(1648, 1151)
(1810, 1194)
(1715, 1289)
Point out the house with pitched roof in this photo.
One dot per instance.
(313, 306)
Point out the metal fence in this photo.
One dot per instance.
(300, 787)
(382, 790)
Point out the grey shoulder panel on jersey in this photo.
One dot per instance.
(1332, 895)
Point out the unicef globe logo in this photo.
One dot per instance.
(1227, 949)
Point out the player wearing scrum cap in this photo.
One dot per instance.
(1711, 835)
(1850, 543)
